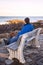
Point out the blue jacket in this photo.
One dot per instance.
(26, 28)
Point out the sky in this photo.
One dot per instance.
(21, 7)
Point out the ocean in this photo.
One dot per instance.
(3, 19)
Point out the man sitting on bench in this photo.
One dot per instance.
(26, 28)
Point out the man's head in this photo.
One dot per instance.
(27, 20)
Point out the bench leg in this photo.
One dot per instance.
(17, 54)
(21, 56)
(20, 51)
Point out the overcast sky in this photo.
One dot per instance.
(21, 7)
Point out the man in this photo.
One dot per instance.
(26, 28)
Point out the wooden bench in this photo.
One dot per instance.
(16, 49)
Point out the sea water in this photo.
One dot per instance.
(4, 19)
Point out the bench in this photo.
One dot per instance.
(16, 49)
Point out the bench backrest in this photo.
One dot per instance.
(35, 32)
(30, 36)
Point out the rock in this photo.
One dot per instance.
(28, 59)
(8, 61)
(40, 61)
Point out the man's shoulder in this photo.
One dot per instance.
(28, 24)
